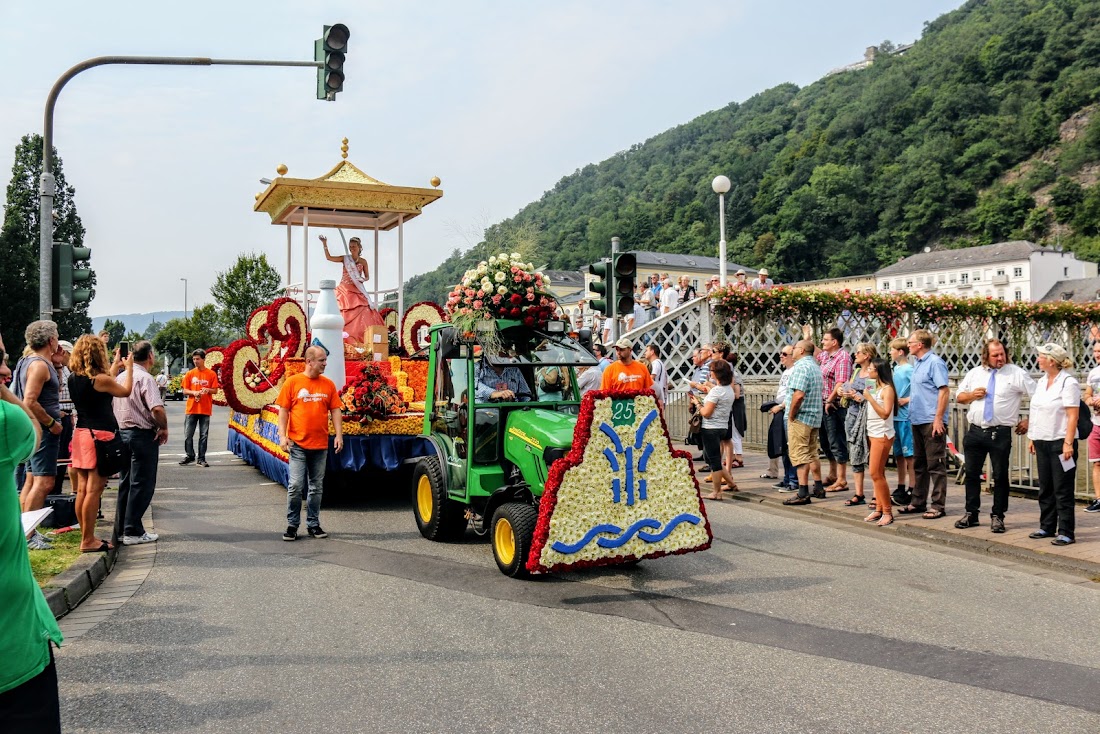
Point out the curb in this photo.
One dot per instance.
(989, 547)
(65, 591)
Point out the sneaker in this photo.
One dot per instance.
(139, 539)
(1094, 506)
(967, 521)
(38, 542)
(787, 488)
(317, 532)
(997, 524)
(779, 485)
(202, 462)
(187, 460)
(797, 501)
(291, 533)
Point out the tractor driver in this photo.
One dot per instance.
(499, 383)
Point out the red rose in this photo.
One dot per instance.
(529, 321)
(516, 298)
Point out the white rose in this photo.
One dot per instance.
(500, 277)
(546, 280)
(516, 257)
(502, 290)
(503, 257)
(492, 259)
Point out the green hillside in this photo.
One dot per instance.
(981, 131)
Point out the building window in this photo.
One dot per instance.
(964, 278)
(977, 275)
(951, 278)
(695, 283)
(909, 283)
(1017, 272)
(1000, 295)
(920, 280)
(1000, 271)
(1065, 272)
(1019, 295)
(885, 285)
(941, 278)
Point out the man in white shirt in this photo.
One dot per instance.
(670, 297)
(994, 392)
(762, 282)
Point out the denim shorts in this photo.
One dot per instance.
(43, 463)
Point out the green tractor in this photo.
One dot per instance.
(497, 422)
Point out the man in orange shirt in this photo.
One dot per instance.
(627, 374)
(199, 385)
(306, 401)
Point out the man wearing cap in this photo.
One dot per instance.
(993, 391)
(762, 282)
(627, 374)
(199, 386)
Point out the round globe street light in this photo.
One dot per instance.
(721, 185)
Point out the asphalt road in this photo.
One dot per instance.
(785, 625)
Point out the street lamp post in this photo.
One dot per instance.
(185, 318)
(721, 185)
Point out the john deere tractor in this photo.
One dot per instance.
(498, 417)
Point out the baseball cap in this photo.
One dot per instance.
(624, 343)
(1055, 351)
(66, 345)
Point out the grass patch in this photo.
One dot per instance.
(48, 563)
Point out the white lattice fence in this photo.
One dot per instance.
(677, 333)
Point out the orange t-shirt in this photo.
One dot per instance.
(197, 379)
(308, 401)
(634, 376)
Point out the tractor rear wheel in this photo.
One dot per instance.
(437, 516)
(512, 533)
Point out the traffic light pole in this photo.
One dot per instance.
(613, 291)
(48, 185)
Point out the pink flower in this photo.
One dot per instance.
(469, 292)
(530, 296)
(517, 278)
(530, 289)
(527, 278)
(515, 269)
(478, 304)
(480, 293)
(496, 300)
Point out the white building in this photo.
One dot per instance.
(1009, 271)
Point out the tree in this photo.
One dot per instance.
(115, 331)
(152, 329)
(202, 331)
(19, 243)
(249, 284)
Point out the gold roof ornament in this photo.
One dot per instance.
(343, 197)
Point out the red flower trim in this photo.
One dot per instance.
(556, 474)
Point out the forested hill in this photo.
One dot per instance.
(982, 131)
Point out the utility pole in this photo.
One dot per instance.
(330, 77)
(614, 293)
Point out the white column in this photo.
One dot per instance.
(305, 263)
(401, 264)
(722, 242)
(288, 236)
(374, 273)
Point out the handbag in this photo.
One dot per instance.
(111, 456)
(695, 423)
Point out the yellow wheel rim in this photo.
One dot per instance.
(424, 498)
(504, 541)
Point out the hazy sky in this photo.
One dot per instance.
(500, 100)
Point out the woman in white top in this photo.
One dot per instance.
(1052, 432)
(880, 396)
(716, 410)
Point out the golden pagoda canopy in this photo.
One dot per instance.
(343, 197)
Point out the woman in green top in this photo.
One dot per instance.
(28, 679)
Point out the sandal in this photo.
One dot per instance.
(736, 464)
(855, 500)
(934, 515)
(911, 510)
(837, 487)
(886, 520)
(872, 517)
(717, 497)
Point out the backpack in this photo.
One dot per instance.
(1084, 421)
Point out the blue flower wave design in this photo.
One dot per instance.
(624, 536)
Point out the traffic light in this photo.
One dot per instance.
(602, 285)
(329, 50)
(626, 273)
(70, 275)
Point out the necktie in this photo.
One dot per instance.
(987, 414)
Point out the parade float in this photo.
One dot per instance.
(556, 480)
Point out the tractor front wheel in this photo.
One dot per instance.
(512, 531)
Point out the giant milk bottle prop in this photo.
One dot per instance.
(327, 327)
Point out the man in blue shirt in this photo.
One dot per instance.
(928, 398)
(804, 411)
(497, 382)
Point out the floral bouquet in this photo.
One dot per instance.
(503, 288)
(369, 395)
